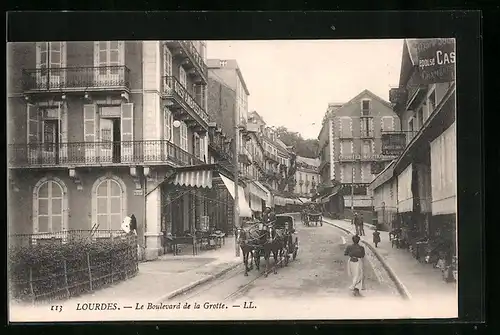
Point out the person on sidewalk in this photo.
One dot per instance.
(355, 265)
(376, 237)
(361, 225)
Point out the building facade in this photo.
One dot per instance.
(228, 104)
(350, 145)
(422, 179)
(101, 130)
(307, 176)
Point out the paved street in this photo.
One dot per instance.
(318, 272)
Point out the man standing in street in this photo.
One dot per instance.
(361, 225)
(354, 222)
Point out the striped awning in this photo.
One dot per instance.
(201, 178)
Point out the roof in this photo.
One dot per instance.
(214, 64)
(370, 93)
(309, 161)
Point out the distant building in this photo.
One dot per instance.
(307, 176)
(350, 145)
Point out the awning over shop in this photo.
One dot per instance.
(304, 200)
(244, 209)
(200, 178)
(258, 190)
(326, 198)
(269, 196)
(405, 195)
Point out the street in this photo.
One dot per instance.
(318, 272)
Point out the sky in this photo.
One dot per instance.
(291, 82)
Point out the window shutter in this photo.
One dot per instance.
(33, 135)
(63, 134)
(89, 131)
(121, 52)
(127, 132)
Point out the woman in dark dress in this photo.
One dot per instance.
(355, 265)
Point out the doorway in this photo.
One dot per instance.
(110, 131)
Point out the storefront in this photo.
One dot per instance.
(259, 197)
(201, 199)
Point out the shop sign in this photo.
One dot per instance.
(436, 60)
(393, 144)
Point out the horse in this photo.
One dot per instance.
(246, 248)
(274, 244)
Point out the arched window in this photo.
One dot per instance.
(49, 206)
(109, 203)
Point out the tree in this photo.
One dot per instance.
(303, 147)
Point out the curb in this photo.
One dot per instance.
(402, 290)
(197, 283)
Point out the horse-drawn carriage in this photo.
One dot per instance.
(312, 215)
(263, 239)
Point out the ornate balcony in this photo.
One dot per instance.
(76, 154)
(181, 102)
(191, 59)
(76, 79)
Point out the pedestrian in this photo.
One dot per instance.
(376, 237)
(355, 222)
(355, 265)
(361, 225)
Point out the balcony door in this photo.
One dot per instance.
(50, 139)
(110, 135)
(108, 59)
(50, 61)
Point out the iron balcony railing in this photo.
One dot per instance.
(99, 153)
(193, 55)
(407, 135)
(172, 88)
(76, 78)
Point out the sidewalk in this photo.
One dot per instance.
(417, 281)
(161, 279)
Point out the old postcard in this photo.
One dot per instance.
(232, 180)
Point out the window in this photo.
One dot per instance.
(108, 55)
(109, 204)
(346, 148)
(346, 127)
(50, 55)
(366, 126)
(168, 120)
(182, 77)
(365, 107)
(387, 123)
(184, 136)
(49, 204)
(222, 63)
(367, 148)
(167, 61)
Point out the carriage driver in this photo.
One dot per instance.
(268, 215)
